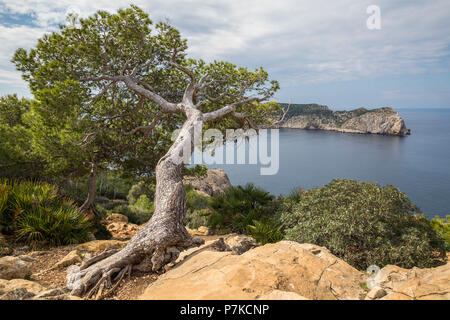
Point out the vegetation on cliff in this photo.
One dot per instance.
(362, 223)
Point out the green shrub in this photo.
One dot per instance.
(139, 189)
(143, 204)
(198, 208)
(138, 213)
(239, 207)
(442, 227)
(122, 209)
(197, 171)
(100, 230)
(216, 222)
(109, 204)
(35, 212)
(195, 200)
(363, 224)
(198, 218)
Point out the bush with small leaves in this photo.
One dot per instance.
(139, 189)
(442, 227)
(362, 223)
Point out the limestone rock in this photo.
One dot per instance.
(119, 227)
(50, 294)
(14, 268)
(396, 296)
(71, 258)
(282, 295)
(270, 271)
(17, 294)
(36, 254)
(122, 230)
(216, 181)
(15, 284)
(20, 289)
(116, 217)
(4, 247)
(5, 250)
(376, 293)
(240, 243)
(418, 284)
(101, 245)
(200, 231)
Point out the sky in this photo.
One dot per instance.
(320, 51)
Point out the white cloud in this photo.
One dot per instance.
(297, 41)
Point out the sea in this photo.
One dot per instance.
(418, 165)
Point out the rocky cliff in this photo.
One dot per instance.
(385, 121)
(215, 181)
(289, 271)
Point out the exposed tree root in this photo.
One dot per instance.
(100, 276)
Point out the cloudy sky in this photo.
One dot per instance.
(321, 51)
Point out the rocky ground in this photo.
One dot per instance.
(225, 267)
(27, 273)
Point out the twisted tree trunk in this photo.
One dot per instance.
(162, 239)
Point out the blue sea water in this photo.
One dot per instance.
(418, 165)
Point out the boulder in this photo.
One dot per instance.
(14, 268)
(20, 289)
(15, 284)
(376, 293)
(5, 250)
(18, 294)
(416, 284)
(50, 294)
(282, 295)
(4, 247)
(216, 181)
(285, 269)
(240, 243)
(122, 230)
(200, 231)
(117, 224)
(101, 245)
(115, 217)
(71, 258)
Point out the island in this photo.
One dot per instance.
(384, 121)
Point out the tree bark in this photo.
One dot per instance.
(92, 186)
(162, 239)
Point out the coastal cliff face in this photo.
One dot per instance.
(384, 121)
